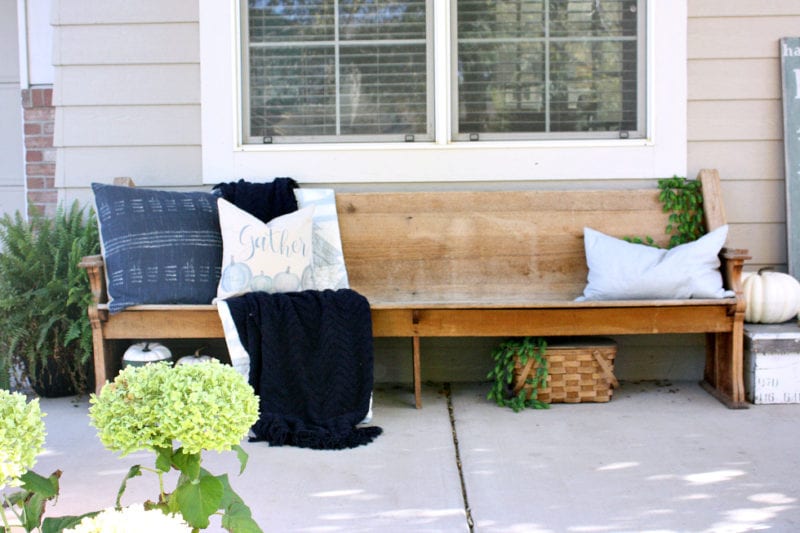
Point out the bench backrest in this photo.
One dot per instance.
(487, 247)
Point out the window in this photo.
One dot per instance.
(549, 69)
(634, 128)
(363, 71)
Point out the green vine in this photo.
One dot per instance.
(505, 356)
(683, 200)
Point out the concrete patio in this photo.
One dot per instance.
(663, 457)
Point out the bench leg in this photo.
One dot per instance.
(724, 371)
(417, 372)
(104, 360)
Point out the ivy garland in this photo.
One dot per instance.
(683, 199)
(502, 374)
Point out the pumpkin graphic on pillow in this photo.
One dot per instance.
(235, 277)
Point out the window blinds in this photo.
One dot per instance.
(332, 70)
(556, 67)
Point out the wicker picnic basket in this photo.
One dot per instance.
(578, 371)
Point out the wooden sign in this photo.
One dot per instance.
(790, 71)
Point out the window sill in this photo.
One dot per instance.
(449, 146)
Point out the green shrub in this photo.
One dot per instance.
(44, 295)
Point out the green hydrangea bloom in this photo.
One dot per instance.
(22, 435)
(207, 406)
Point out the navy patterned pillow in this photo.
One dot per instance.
(159, 247)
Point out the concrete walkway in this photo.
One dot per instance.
(657, 458)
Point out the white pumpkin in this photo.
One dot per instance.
(772, 297)
(285, 282)
(141, 353)
(194, 359)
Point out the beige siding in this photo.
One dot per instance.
(127, 125)
(83, 12)
(740, 159)
(89, 85)
(127, 93)
(119, 44)
(735, 120)
(12, 167)
(151, 166)
(744, 79)
(741, 8)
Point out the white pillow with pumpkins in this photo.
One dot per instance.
(273, 257)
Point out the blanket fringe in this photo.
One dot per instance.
(278, 433)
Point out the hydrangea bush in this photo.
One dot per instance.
(21, 436)
(206, 406)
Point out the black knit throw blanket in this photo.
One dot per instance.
(264, 201)
(311, 358)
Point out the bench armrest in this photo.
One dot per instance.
(95, 268)
(732, 263)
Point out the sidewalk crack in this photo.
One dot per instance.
(451, 412)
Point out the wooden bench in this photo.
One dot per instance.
(468, 264)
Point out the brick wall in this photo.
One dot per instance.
(40, 156)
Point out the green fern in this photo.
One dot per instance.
(44, 294)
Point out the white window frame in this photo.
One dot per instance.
(662, 153)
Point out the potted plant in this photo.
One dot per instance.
(44, 295)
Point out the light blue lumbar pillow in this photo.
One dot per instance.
(620, 270)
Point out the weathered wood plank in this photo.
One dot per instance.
(481, 246)
(714, 210)
(574, 321)
(164, 323)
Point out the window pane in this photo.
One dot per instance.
(274, 21)
(548, 68)
(481, 19)
(292, 92)
(334, 70)
(383, 89)
(597, 18)
(501, 87)
(382, 19)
